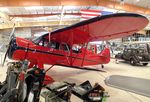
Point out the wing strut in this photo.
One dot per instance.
(71, 48)
(49, 35)
(87, 30)
(49, 68)
(84, 53)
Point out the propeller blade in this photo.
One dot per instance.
(5, 56)
(12, 32)
(11, 37)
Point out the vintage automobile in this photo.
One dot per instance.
(136, 55)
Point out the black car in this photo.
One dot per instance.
(136, 55)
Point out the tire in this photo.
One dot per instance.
(102, 66)
(145, 64)
(132, 62)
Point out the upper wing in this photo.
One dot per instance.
(101, 28)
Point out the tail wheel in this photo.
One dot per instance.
(102, 66)
(145, 64)
(132, 62)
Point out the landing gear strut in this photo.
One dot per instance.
(102, 66)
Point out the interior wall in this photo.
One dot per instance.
(20, 32)
(23, 32)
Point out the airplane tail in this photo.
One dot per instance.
(105, 55)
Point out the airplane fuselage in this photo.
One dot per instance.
(21, 49)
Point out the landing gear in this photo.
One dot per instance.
(102, 66)
(116, 61)
(132, 62)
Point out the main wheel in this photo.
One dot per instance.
(102, 66)
(132, 62)
(145, 64)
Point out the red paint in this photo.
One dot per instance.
(42, 58)
(48, 80)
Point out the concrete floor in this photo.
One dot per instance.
(78, 76)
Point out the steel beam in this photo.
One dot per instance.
(105, 3)
(36, 24)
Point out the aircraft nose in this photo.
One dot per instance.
(12, 47)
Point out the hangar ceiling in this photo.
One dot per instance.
(141, 3)
(29, 13)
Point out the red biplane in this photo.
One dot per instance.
(68, 46)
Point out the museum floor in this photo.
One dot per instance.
(78, 76)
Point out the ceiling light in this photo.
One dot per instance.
(121, 11)
(3, 9)
(34, 8)
(70, 7)
(110, 10)
(18, 19)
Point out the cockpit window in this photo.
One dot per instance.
(46, 43)
(42, 42)
(64, 47)
(37, 40)
(54, 45)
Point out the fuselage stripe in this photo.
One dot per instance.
(33, 50)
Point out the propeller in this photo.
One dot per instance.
(10, 39)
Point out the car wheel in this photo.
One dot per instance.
(145, 64)
(132, 62)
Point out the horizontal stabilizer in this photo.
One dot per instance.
(132, 84)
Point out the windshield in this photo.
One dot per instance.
(42, 41)
(37, 40)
